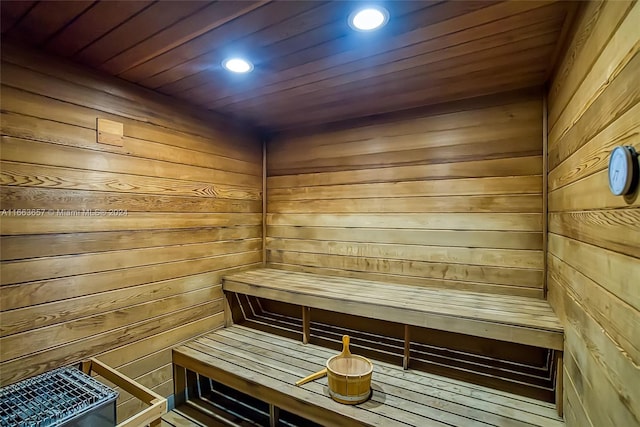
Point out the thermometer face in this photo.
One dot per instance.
(620, 171)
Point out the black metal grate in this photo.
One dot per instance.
(52, 398)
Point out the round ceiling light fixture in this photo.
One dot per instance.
(237, 65)
(368, 19)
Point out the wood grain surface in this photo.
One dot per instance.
(529, 321)
(267, 366)
(452, 198)
(306, 56)
(115, 252)
(594, 237)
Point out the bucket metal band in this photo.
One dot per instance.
(350, 399)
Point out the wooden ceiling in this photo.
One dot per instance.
(310, 67)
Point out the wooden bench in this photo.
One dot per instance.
(266, 366)
(522, 320)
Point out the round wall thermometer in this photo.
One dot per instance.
(623, 170)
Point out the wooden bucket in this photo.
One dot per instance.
(349, 376)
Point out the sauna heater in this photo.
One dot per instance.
(62, 397)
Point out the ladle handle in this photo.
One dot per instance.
(312, 377)
(345, 346)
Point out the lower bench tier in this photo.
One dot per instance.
(266, 366)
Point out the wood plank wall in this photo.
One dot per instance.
(594, 237)
(128, 287)
(450, 198)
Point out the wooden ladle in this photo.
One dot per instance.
(323, 372)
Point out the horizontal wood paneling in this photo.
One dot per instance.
(617, 230)
(149, 112)
(67, 199)
(446, 138)
(434, 221)
(471, 169)
(442, 271)
(594, 237)
(58, 222)
(42, 245)
(59, 334)
(488, 257)
(70, 265)
(38, 292)
(449, 238)
(145, 139)
(172, 166)
(186, 192)
(527, 203)
(24, 319)
(445, 187)
(452, 198)
(34, 363)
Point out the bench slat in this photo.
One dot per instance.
(520, 320)
(468, 390)
(229, 370)
(397, 292)
(442, 395)
(400, 408)
(473, 304)
(375, 414)
(274, 273)
(266, 367)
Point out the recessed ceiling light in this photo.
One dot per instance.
(237, 65)
(368, 19)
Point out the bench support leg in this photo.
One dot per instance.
(559, 380)
(306, 324)
(228, 314)
(179, 385)
(274, 415)
(85, 366)
(407, 347)
(193, 387)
